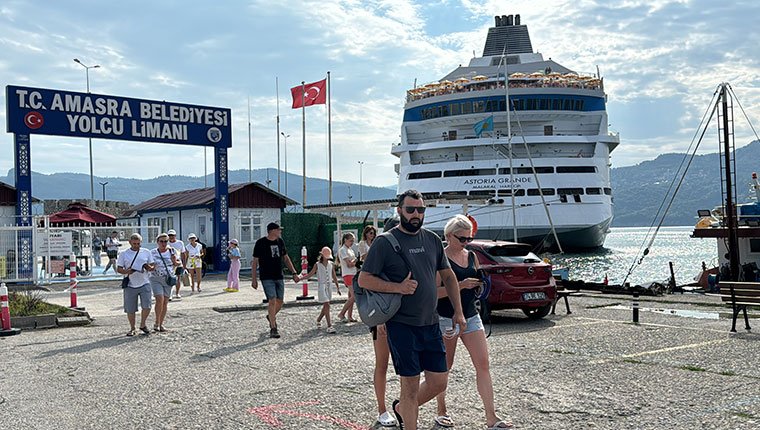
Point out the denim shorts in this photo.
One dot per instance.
(474, 323)
(274, 288)
(160, 287)
(415, 349)
(132, 294)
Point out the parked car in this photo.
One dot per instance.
(519, 279)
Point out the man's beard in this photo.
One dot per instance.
(409, 226)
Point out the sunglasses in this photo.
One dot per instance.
(464, 239)
(410, 209)
(163, 241)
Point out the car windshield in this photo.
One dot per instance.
(512, 254)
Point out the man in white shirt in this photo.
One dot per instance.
(135, 263)
(179, 246)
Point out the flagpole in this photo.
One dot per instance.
(249, 140)
(277, 91)
(329, 141)
(303, 139)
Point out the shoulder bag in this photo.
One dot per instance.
(125, 280)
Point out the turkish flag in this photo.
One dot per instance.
(314, 93)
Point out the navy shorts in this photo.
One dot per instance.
(415, 349)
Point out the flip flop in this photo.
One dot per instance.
(501, 424)
(444, 421)
(399, 420)
(131, 333)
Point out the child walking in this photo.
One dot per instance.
(233, 276)
(325, 270)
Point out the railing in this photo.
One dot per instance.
(440, 89)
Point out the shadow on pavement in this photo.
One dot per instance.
(100, 344)
(227, 350)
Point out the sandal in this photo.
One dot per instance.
(145, 330)
(399, 420)
(501, 424)
(163, 330)
(131, 333)
(444, 421)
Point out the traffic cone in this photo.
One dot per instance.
(5, 314)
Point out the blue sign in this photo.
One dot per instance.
(65, 113)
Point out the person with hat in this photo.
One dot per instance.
(112, 251)
(269, 253)
(194, 261)
(233, 276)
(325, 270)
(178, 246)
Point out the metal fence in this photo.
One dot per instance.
(17, 257)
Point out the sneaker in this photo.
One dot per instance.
(386, 420)
(273, 333)
(330, 329)
(344, 320)
(178, 296)
(319, 324)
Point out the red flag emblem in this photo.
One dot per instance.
(314, 93)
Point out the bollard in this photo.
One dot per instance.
(304, 271)
(635, 307)
(73, 281)
(5, 314)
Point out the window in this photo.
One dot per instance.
(608, 191)
(466, 107)
(527, 170)
(566, 191)
(594, 191)
(548, 130)
(754, 245)
(424, 175)
(169, 223)
(468, 172)
(456, 109)
(154, 224)
(507, 192)
(576, 169)
(250, 226)
(479, 106)
(544, 191)
(486, 193)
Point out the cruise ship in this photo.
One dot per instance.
(549, 154)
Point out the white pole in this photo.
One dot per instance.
(249, 141)
(277, 91)
(303, 139)
(329, 142)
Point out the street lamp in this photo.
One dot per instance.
(104, 190)
(92, 177)
(361, 197)
(285, 151)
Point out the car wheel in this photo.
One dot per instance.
(484, 309)
(537, 313)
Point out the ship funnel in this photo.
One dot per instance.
(508, 19)
(497, 18)
(517, 19)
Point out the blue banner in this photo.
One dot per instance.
(65, 113)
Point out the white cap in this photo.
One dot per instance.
(171, 232)
(192, 236)
(235, 241)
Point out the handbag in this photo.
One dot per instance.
(171, 280)
(125, 280)
(377, 308)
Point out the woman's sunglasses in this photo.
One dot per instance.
(163, 241)
(410, 209)
(464, 239)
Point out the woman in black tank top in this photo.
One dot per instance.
(458, 233)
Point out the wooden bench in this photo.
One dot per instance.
(739, 295)
(564, 294)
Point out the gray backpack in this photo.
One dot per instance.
(377, 308)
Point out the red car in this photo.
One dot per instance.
(519, 279)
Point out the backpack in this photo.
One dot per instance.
(377, 308)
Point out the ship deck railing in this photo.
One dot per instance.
(420, 93)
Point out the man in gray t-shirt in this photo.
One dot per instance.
(414, 336)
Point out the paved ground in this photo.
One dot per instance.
(589, 370)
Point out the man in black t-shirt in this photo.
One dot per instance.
(269, 252)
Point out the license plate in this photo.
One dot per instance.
(534, 296)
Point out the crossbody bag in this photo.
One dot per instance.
(125, 280)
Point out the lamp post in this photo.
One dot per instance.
(103, 184)
(361, 187)
(285, 153)
(87, 77)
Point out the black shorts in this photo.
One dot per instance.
(112, 254)
(415, 349)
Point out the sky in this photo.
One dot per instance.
(661, 62)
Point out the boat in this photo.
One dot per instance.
(544, 162)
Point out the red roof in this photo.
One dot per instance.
(78, 214)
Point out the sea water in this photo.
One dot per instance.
(623, 248)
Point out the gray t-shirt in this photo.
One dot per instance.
(424, 252)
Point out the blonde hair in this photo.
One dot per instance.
(345, 237)
(459, 222)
